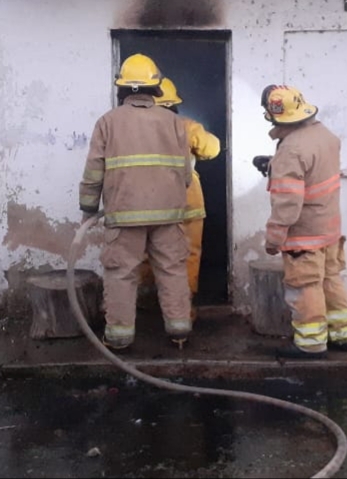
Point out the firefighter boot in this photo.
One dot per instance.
(338, 345)
(178, 332)
(116, 341)
(293, 352)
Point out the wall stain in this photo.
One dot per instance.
(30, 227)
(178, 13)
(76, 141)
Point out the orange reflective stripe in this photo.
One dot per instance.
(287, 185)
(323, 188)
(310, 242)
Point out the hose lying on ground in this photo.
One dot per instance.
(341, 450)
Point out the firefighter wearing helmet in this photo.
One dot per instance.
(305, 222)
(139, 164)
(203, 146)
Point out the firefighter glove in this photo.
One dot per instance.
(262, 164)
(271, 249)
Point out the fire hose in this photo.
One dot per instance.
(330, 469)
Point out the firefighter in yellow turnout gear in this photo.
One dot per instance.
(203, 146)
(305, 223)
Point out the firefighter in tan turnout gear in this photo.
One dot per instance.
(305, 222)
(139, 162)
(203, 146)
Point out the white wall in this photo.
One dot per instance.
(56, 80)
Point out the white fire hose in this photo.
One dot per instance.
(331, 468)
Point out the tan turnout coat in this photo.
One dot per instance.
(304, 184)
(139, 163)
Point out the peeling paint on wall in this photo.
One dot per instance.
(53, 89)
(13, 192)
(30, 227)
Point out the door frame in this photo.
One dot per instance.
(226, 37)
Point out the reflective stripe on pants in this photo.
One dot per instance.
(316, 295)
(122, 256)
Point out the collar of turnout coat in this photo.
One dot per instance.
(279, 132)
(139, 99)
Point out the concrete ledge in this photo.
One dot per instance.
(223, 346)
(189, 369)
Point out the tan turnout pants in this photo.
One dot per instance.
(193, 229)
(122, 256)
(316, 294)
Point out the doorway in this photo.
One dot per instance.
(196, 61)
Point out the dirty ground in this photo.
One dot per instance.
(222, 345)
(68, 428)
(65, 412)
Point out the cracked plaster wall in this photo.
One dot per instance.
(56, 80)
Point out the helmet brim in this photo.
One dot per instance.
(305, 112)
(144, 84)
(166, 103)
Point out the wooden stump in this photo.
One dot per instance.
(270, 314)
(52, 314)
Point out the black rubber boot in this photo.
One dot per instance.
(119, 345)
(338, 345)
(293, 352)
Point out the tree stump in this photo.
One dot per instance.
(270, 313)
(52, 314)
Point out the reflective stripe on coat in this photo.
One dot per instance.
(305, 189)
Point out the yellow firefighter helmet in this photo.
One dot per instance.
(170, 96)
(285, 105)
(138, 71)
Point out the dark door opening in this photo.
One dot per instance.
(196, 62)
